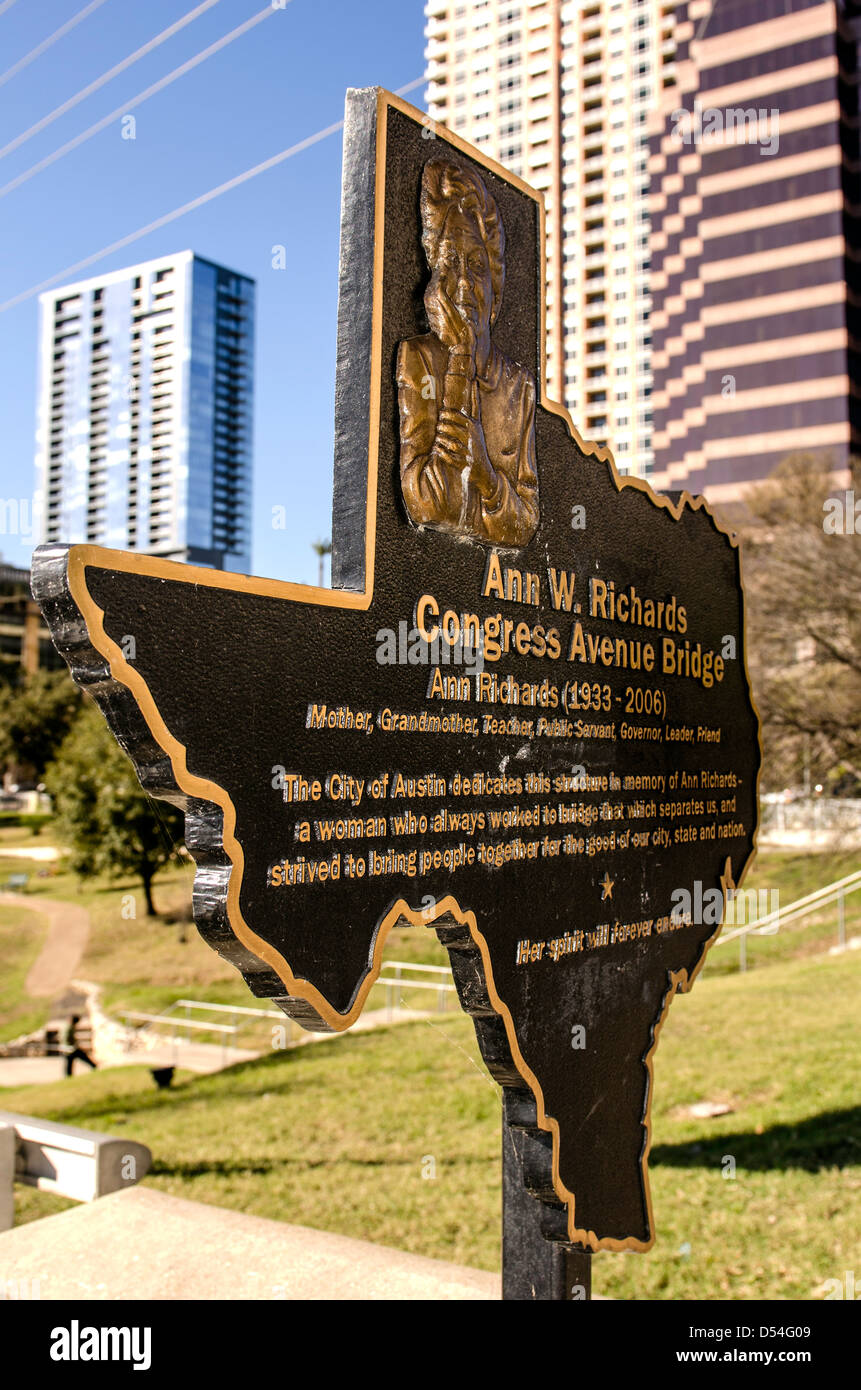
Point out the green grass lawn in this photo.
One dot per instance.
(338, 1135)
(23, 837)
(146, 964)
(22, 933)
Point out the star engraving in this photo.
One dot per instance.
(606, 886)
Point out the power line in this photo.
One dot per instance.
(107, 76)
(7, 5)
(190, 206)
(704, 23)
(168, 217)
(50, 41)
(137, 100)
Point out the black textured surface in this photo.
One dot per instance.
(535, 1266)
(232, 675)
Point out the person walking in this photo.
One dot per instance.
(72, 1050)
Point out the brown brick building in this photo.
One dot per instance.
(24, 637)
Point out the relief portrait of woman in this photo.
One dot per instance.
(467, 412)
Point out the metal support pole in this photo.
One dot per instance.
(534, 1269)
(742, 951)
(841, 920)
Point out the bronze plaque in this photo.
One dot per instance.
(522, 717)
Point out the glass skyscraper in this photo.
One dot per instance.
(145, 412)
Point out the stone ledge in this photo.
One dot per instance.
(143, 1244)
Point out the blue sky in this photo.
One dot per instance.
(279, 83)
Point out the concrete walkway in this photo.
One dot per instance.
(160, 1051)
(59, 958)
(144, 1244)
(200, 1058)
(40, 854)
(32, 1071)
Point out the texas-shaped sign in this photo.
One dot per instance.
(521, 717)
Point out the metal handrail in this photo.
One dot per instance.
(226, 1029)
(406, 965)
(226, 1008)
(181, 1022)
(397, 981)
(802, 907)
(386, 979)
(769, 925)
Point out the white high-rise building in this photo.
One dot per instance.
(558, 91)
(145, 412)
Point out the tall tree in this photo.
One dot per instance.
(36, 713)
(802, 563)
(110, 824)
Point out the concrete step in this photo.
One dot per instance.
(144, 1244)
